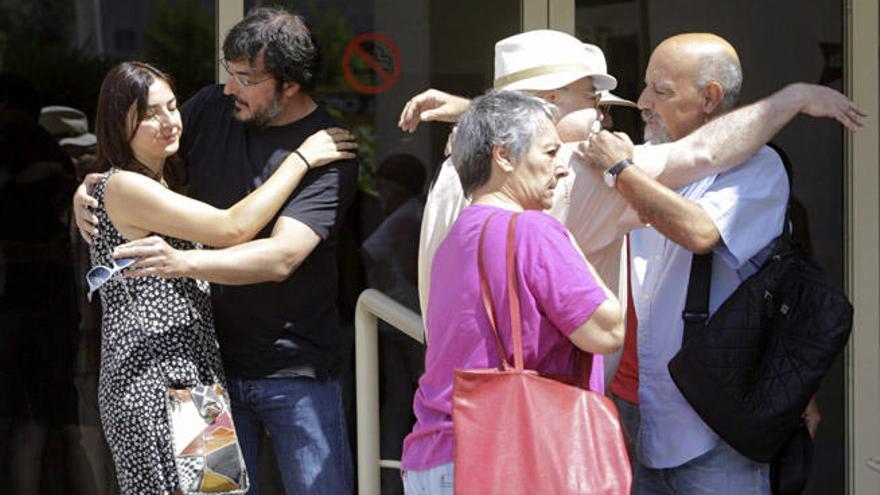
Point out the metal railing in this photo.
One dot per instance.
(373, 305)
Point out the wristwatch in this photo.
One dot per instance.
(612, 173)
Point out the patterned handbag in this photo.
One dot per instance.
(206, 450)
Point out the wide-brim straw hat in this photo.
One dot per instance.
(543, 60)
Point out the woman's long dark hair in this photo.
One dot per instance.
(125, 85)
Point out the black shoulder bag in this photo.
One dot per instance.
(750, 370)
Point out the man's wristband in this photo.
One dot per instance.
(612, 173)
(301, 157)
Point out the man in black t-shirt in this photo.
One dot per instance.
(274, 297)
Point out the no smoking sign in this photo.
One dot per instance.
(382, 58)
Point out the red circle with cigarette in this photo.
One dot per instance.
(385, 76)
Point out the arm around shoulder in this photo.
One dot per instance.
(140, 205)
(732, 138)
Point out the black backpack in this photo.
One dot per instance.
(750, 370)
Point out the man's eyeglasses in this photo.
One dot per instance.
(244, 82)
(99, 275)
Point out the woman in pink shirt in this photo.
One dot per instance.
(505, 153)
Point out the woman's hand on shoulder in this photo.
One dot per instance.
(327, 146)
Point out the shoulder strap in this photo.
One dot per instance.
(487, 297)
(696, 306)
(787, 227)
(512, 294)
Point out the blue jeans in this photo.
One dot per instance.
(721, 471)
(435, 481)
(307, 429)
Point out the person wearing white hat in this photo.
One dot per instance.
(550, 64)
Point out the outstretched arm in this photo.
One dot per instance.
(432, 105)
(733, 138)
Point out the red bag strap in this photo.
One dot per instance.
(584, 367)
(584, 360)
(487, 298)
(512, 294)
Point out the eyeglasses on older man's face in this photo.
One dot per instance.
(243, 80)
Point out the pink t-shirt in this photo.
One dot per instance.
(557, 293)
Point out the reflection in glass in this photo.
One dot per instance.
(53, 56)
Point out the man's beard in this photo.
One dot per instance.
(658, 134)
(262, 118)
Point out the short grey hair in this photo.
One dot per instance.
(727, 72)
(498, 118)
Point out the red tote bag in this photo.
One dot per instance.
(517, 432)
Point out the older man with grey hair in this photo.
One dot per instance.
(735, 215)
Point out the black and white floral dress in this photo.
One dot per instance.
(180, 329)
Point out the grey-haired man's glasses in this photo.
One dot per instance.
(99, 275)
(242, 81)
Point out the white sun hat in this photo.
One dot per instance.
(544, 59)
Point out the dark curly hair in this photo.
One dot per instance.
(290, 53)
